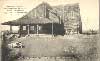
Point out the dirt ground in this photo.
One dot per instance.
(39, 46)
(81, 45)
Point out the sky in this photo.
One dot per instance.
(89, 10)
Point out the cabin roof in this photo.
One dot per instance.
(26, 20)
(33, 17)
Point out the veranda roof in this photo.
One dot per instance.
(27, 20)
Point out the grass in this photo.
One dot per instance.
(45, 45)
(55, 46)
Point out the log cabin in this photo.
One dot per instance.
(46, 19)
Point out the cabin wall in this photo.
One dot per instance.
(58, 29)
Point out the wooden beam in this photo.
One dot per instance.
(19, 30)
(28, 30)
(10, 28)
(52, 28)
(77, 29)
(37, 32)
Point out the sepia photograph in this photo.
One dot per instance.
(49, 30)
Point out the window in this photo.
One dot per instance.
(31, 27)
(39, 27)
(24, 27)
(15, 29)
